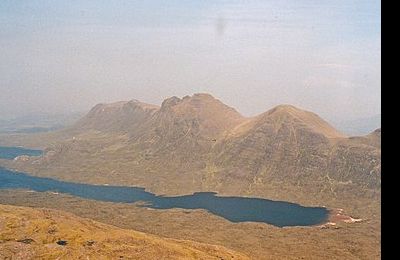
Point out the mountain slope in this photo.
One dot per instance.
(279, 142)
(27, 233)
(198, 143)
(121, 116)
(287, 146)
(181, 133)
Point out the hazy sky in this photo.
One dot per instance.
(62, 56)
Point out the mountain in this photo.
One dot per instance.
(120, 116)
(289, 148)
(181, 133)
(28, 233)
(197, 143)
(284, 141)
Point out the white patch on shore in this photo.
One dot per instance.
(352, 220)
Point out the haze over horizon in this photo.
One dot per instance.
(61, 57)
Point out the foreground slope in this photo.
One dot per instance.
(361, 240)
(27, 233)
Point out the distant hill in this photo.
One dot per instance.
(359, 126)
(28, 233)
(197, 143)
(120, 116)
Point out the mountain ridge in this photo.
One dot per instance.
(119, 116)
(197, 143)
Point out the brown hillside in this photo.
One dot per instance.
(27, 233)
(198, 143)
(121, 116)
(199, 115)
(292, 146)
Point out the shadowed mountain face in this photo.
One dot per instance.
(197, 143)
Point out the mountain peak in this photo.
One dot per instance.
(377, 132)
(304, 118)
(197, 97)
(117, 116)
(108, 107)
(203, 96)
(115, 104)
(375, 135)
(170, 102)
(286, 108)
(213, 115)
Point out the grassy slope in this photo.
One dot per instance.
(45, 227)
(259, 241)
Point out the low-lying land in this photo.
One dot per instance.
(259, 241)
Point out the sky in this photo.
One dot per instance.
(67, 56)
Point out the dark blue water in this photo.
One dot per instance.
(235, 209)
(12, 152)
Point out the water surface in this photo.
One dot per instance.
(235, 209)
(10, 153)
